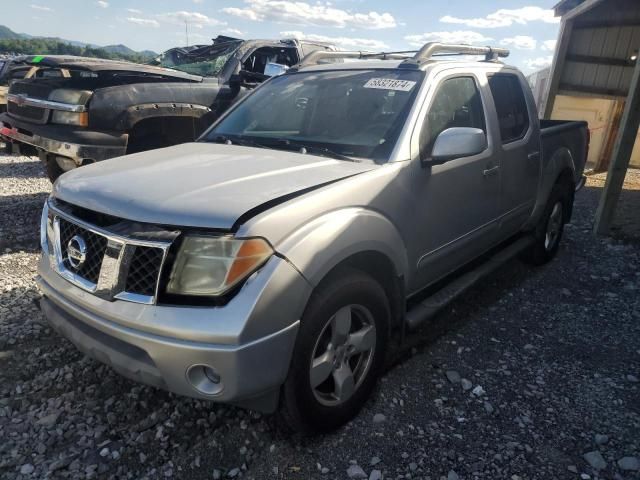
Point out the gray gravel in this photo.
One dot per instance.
(532, 374)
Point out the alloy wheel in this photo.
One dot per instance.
(554, 227)
(342, 355)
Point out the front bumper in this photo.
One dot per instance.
(78, 144)
(145, 342)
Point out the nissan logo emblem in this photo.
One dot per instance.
(76, 252)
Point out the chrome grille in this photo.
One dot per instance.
(144, 271)
(96, 247)
(113, 267)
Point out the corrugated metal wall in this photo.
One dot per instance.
(611, 32)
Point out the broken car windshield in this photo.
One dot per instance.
(206, 61)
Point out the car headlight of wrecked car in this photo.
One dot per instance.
(72, 98)
(211, 266)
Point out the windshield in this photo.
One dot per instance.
(207, 61)
(355, 113)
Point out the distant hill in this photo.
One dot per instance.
(121, 49)
(7, 34)
(111, 51)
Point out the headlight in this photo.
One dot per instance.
(73, 97)
(46, 232)
(210, 266)
(44, 224)
(70, 118)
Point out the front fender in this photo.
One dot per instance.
(120, 107)
(138, 113)
(325, 242)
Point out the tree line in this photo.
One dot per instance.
(43, 46)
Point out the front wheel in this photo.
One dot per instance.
(53, 169)
(339, 352)
(550, 228)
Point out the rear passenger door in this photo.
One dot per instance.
(519, 149)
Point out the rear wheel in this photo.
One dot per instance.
(339, 353)
(550, 228)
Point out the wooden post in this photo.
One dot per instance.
(621, 156)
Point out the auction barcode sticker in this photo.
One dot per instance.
(390, 84)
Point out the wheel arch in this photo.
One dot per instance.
(379, 267)
(354, 238)
(162, 130)
(559, 168)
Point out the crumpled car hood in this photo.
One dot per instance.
(198, 184)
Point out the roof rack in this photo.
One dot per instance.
(427, 52)
(317, 56)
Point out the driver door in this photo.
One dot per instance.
(458, 201)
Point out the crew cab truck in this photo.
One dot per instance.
(78, 111)
(333, 209)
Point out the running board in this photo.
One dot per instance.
(431, 305)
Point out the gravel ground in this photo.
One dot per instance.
(533, 374)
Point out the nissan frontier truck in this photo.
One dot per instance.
(334, 209)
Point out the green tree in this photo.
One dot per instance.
(44, 46)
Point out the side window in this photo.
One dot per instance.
(457, 103)
(511, 106)
(257, 61)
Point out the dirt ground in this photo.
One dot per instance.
(533, 374)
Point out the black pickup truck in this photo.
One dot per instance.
(76, 111)
(11, 69)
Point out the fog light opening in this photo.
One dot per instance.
(205, 379)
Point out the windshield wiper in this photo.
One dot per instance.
(322, 151)
(243, 142)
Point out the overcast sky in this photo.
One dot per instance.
(528, 28)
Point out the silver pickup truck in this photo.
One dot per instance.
(336, 208)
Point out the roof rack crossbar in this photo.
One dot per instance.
(431, 49)
(427, 52)
(318, 56)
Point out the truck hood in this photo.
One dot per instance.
(199, 184)
(103, 65)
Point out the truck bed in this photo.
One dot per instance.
(572, 135)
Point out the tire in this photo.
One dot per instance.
(548, 232)
(53, 169)
(344, 375)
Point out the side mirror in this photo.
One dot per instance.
(457, 142)
(275, 69)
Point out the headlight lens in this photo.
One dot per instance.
(44, 224)
(46, 231)
(73, 97)
(71, 118)
(211, 266)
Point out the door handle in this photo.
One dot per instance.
(533, 155)
(490, 171)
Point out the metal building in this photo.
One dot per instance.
(596, 60)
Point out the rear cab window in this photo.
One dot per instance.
(511, 106)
